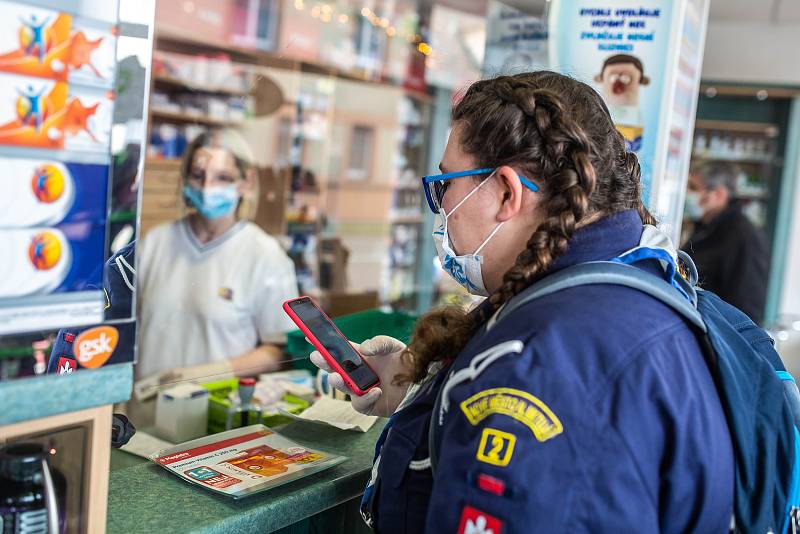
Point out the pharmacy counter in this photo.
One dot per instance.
(143, 497)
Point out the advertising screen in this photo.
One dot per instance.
(57, 74)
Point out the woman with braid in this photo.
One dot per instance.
(590, 409)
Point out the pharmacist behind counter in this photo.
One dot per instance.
(210, 284)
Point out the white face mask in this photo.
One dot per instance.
(465, 269)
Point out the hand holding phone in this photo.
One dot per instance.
(385, 355)
(332, 345)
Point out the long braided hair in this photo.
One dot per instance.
(559, 132)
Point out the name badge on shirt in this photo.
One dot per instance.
(225, 293)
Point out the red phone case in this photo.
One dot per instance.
(325, 354)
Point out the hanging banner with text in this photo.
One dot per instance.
(621, 48)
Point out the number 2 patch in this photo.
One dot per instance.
(496, 447)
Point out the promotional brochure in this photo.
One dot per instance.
(244, 461)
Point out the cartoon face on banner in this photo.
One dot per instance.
(621, 79)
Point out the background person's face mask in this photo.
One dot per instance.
(213, 202)
(465, 269)
(694, 210)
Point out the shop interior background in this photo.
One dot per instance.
(346, 104)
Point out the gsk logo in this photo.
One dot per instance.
(95, 346)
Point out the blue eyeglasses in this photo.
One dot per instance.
(435, 185)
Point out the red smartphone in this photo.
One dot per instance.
(332, 344)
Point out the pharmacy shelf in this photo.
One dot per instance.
(725, 89)
(171, 84)
(175, 40)
(185, 118)
(734, 158)
(764, 128)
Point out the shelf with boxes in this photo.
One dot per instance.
(168, 83)
(193, 92)
(176, 40)
(321, 139)
(752, 147)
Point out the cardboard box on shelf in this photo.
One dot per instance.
(336, 304)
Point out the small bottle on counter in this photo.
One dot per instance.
(245, 412)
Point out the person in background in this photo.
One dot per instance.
(211, 285)
(730, 252)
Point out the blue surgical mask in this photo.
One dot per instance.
(212, 202)
(466, 268)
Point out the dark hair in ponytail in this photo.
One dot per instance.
(559, 132)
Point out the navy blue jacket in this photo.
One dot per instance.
(589, 410)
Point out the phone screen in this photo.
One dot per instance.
(336, 345)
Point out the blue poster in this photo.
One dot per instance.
(52, 226)
(621, 49)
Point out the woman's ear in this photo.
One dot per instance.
(511, 190)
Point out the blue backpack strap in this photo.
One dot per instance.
(609, 272)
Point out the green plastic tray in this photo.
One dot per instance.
(357, 327)
(218, 405)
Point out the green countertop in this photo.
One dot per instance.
(146, 498)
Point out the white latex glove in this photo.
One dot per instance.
(383, 355)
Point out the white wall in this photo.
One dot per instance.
(752, 52)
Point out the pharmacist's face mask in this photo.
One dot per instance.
(466, 268)
(213, 202)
